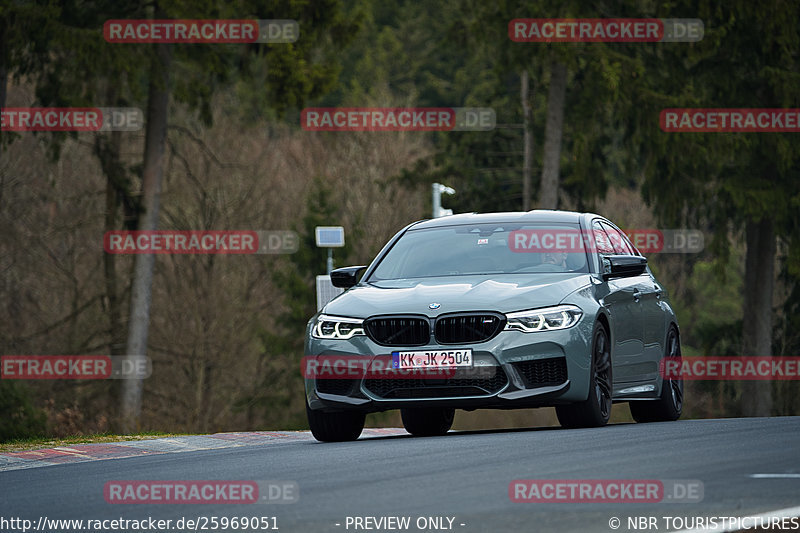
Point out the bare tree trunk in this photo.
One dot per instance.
(759, 279)
(203, 403)
(554, 130)
(108, 153)
(3, 60)
(3, 85)
(3, 82)
(155, 140)
(3, 88)
(203, 395)
(527, 128)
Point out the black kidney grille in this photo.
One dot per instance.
(399, 331)
(461, 329)
(542, 372)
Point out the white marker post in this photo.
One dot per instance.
(329, 237)
(438, 189)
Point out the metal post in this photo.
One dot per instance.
(330, 260)
(438, 189)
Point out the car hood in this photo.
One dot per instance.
(503, 293)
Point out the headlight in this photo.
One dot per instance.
(546, 319)
(337, 327)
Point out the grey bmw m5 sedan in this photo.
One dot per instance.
(493, 311)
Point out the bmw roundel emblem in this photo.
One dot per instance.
(434, 305)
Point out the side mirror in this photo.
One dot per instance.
(345, 277)
(623, 266)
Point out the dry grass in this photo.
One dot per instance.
(39, 443)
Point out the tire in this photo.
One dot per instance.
(337, 426)
(596, 409)
(669, 405)
(427, 422)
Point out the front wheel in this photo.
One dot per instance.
(596, 409)
(337, 426)
(669, 405)
(427, 422)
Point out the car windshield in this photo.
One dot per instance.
(484, 249)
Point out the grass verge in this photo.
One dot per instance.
(21, 445)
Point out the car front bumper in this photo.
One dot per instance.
(515, 370)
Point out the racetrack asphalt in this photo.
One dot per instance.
(746, 467)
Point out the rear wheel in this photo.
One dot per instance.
(337, 426)
(669, 405)
(427, 422)
(596, 409)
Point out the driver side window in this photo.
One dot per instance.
(601, 240)
(618, 241)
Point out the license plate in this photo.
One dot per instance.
(432, 359)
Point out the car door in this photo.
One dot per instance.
(653, 319)
(647, 294)
(621, 300)
(655, 326)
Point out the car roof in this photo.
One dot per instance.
(537, 216)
